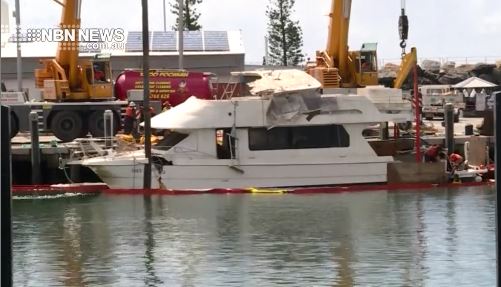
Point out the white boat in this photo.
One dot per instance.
(286, 135)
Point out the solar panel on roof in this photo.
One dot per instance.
(167, 41)
(135, 41)
(164, 41)
(216, 41)
(193, 41)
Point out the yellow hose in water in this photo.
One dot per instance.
(267, 191)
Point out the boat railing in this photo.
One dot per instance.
(85, 148)
(229, 89)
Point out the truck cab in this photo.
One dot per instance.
(366, 67)
(94, 81)
(434, 97)
(98, 78)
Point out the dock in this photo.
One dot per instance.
(55, 154)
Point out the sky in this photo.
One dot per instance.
(452, 29)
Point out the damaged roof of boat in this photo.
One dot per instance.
(267, 82)
(281, 98)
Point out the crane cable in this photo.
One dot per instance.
(403, 28)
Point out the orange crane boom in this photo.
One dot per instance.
(67, 77)
(337, 38)
(67, 51)
(337, 67)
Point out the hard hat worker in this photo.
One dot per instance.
(456, 161)
(130, 118)
(140, 113)
(140, 118)
(432, 153)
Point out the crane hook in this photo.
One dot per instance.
(403, 44)
(403, 29)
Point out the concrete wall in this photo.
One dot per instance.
(411, 172)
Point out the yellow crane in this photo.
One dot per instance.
(337, 67)
(68, 78)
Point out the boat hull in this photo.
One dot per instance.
(208, 177)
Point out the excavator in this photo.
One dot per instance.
(337, 67)
(68, 78)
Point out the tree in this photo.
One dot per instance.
(285, 36)
(190, 14)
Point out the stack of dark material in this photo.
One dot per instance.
(434, 73)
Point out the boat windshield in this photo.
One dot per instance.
(170, 139)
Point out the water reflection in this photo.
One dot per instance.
(151, 279)
(72, 253)
(451, 227)
(439, 238)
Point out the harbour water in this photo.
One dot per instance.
(412, 238)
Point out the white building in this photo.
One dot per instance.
(218, 52)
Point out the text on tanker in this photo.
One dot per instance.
(158, 90)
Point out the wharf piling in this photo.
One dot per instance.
(36, 177)
(108, 128)
(6, 198)
(497, 125)
(449, 128)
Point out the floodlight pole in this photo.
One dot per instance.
(165, 19)
(180, 29)
(18, 47)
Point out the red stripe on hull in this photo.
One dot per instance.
(55, 189)
(26, 190)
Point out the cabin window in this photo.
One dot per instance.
(170, 139)
(298, 137)
(264, 139)
(225, 144)
(102, 73)
(368, 62)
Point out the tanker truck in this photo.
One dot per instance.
(171, 87)
(68, 120)
(76, 91)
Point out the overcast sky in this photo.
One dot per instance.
(438, 28)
